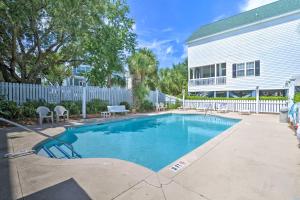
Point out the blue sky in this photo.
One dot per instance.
(164, 25)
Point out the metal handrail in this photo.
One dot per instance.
(210, 106)
(40, 133)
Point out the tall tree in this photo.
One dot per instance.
(173, 80)
(143, 68)
(38, 35)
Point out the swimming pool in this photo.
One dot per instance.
(153, 142)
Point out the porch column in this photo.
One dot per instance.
(227, 94)
(215, 74)
(194, 76)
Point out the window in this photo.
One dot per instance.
(197, 72)
(191, 74)
(209, 71)
(250, 68)
(221, 69)
(246, 69)
(240, 69)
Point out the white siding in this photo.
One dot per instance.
(276, 44)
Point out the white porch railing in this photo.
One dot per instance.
(221, 80)
(264, 106)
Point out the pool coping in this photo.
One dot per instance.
(196, 154)
(189, 158)
(127, 179)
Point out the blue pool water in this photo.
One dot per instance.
(153, 142)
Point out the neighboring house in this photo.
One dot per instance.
(233, 56)
(77, 78)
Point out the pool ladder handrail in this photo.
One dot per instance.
(40, 133)
(209, 108)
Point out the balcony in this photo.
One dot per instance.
(221, 80)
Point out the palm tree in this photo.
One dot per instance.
(143, 68)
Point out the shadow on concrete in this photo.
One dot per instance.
(5, 179)
(68, 189)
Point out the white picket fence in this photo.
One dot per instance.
(264, 106)
(21, 93)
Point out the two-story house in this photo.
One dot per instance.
(256, 48)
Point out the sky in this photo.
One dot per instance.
(164, 25)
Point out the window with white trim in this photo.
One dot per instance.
(240, 70)
(250, 69)
(246, 69)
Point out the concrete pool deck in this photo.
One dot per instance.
(256, 159)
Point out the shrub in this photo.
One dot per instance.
(126, 104)
(96, 106)
(272, 98)
(232, 98)
(9, 110)
(218, 98)
(146, 106)
(28, 108)
(297, 97)
(74, 107)
(174, 106)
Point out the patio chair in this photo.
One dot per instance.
(157, 107)
(223, 108)
(162, 106)
(61, 111)
(44, 113)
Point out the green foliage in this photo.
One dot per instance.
(217, 98)
(297, 97)
(74, 107)
(9, 110)
(126, 104)
(146, 106)
(57, 74)
(143, 68)
(38, 37)
(172, 106)
(96, 106)
(28, 109)
(232, 98)
(173, 80)
(273, 98)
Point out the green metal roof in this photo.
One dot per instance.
(264, 12)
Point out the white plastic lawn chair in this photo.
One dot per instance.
(223, 108)
(44, 113)
(61, 111)
(162, 106)
(157, 107)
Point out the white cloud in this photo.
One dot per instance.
(251, 4)
(163, 49)
(169, 50)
